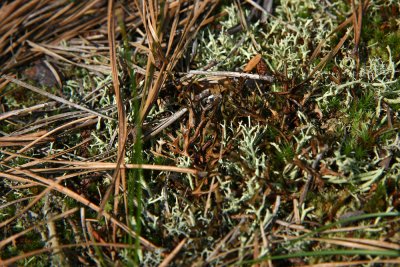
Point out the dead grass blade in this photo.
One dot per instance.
(45, 50)
(317, 50)
(372, 262)
(376, 244)
(329, 56)
(49, 157)
(10, 261)
(171, 256)
(199, 10)
(43, 21)
(53, 120)
(355, 243)
(22, 233)
(38, 197)
(110, 166)
(23, 140)
(176, 10)
(68, 192)
(21, 180)
(118, 173)
(54, 97)
(25, 148)
(23, 111)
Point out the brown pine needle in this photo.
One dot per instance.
(173, 253)
(54, 97)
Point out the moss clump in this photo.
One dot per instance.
(381, 29)
(377, 200)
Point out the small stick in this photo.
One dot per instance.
(165, 124)
(231, 74)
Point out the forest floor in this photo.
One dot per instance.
(199, 133)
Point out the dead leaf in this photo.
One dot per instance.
(252, 63)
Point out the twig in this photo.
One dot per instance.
(165, 124)
(231, 74)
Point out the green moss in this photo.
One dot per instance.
(359, 152)
(348, 147)
(285, 154)
(334, 103)
(378, 201)
(380, 30)
(271, 133)
(305, 13)
(360, 139)
(29, 242)
(70, 203)
(393, 41)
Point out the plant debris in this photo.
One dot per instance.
(201, 133)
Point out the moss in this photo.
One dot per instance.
(359, 152)
(393, 41)
(348, 148)
(377, 202)
(365, 103)
(380, 30)
(70, 203)
(29, 242)
(286, 154)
